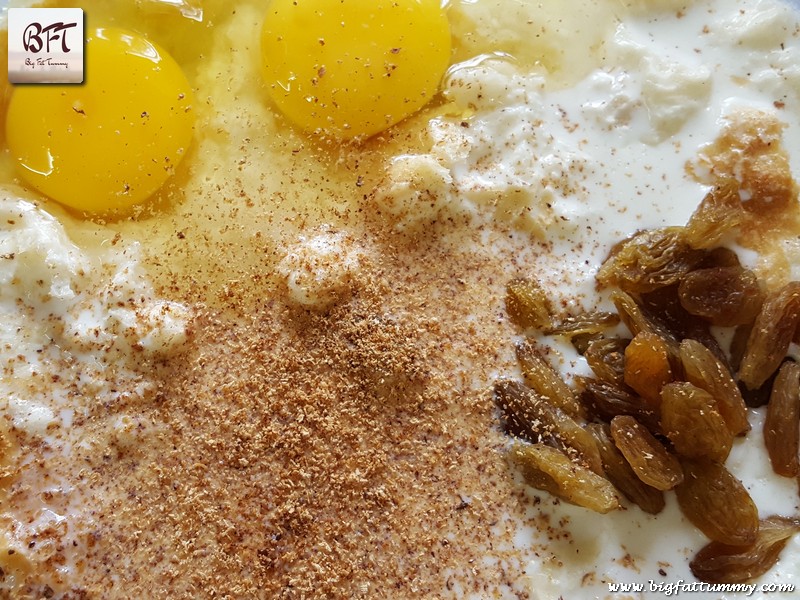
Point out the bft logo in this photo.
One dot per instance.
(45, 45)
(32, 39)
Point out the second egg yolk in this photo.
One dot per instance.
(352, 68)
(111, 142)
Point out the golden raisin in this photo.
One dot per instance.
(527, 304)
(782, 423)
(664, 308)
(620, 473)
(637, 319)
(537, 420)
(647, 367)
(693, 424)
(703, 369)
(606, 357)
(771, 335)
(718, 214)
(540, 376)
(548, 469)
(605, 400)
(717, 503)
(648, 457)
(649, 260)
(722, 563)
(726, 296)
(584, 323)
(720, 257)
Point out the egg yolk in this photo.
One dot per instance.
(352, 68)
(111, 142)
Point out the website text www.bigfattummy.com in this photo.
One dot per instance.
(688, 587)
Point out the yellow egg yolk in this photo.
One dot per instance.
(352, 68)
(111, 142)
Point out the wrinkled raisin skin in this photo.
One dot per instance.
(692, 422)
(584, 323)
(605, 400)
(703, 369)
(620, 473)
(717, 503)
(606, 357)
(649, 260)
(542, 377)
(719, 213)
(548, 469)
(725, 296)
(539, 421)
(773, 331)
(648, 457)
(782, 423)
(527, 304)
(647, 366)
(721, 563)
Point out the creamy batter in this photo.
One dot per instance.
(275, 382)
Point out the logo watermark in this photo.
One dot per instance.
(45, 45)
(696, 587)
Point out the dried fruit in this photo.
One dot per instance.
(620, 473)
(721, 563)
(665, 307)
(650, 259)
(718, 214)
(649, 458)
(720, 257)
(584, 323)
(693, 424)
(518, 415)
(703, 369)
(581, 341)
(726, 296)
(527, 304)
(668, 401)
(605, 400)
(647, 367)
(772, 333)
(782, 423)
(540, 376)
(548, 469)
(537, 420)
(606, 357)
(639, 320)
(717, 503)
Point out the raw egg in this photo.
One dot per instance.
(111, 142)
(353, 68)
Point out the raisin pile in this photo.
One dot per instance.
(665, 402)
